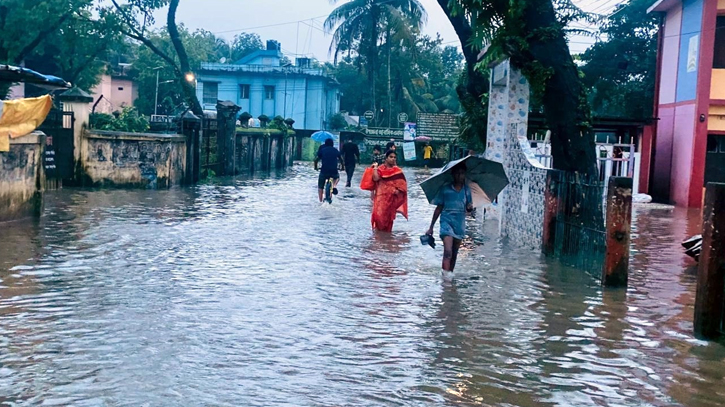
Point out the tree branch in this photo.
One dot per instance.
(189, 89)
(39, 38)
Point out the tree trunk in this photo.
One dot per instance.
(565, 107)
(390, 100)
(372, 57)
(189, 87)
(476, 85)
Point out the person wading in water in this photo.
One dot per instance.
(453, 202)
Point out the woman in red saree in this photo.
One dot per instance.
(390, 195)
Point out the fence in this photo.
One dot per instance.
(209, 156)
(58, 155)
(578, 234)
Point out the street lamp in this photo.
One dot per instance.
(190, 77)
(156, 106)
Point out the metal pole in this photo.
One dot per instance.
(156, 102)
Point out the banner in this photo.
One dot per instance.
(409, 151)
(438, 126)
(409, 131)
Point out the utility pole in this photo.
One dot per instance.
(156, 100)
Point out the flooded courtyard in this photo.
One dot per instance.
(248, 292)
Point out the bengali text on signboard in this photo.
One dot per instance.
(438, 126)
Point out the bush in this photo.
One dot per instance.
(128, 120)
(289, 122)
(100, 120)
(263, 119)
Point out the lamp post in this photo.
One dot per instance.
(156, 102)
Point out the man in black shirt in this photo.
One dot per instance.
(329, 156)
(351, 155)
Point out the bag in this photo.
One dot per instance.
(367, 182)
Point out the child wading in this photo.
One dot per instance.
(453, 202)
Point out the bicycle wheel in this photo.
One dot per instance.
(328, 190)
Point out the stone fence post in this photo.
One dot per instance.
(79, 102)
(227, 136)
(710, 297)
(190, 127)
(618, 227)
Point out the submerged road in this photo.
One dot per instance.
(248, 292)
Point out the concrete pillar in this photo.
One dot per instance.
(79, 102)
(711, 269)
(226, 112)
(190, 128)
(618, 226)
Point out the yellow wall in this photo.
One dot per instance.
(716, 119)
(717, 83)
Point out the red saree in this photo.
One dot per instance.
(391, 197)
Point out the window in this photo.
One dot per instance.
(243, 91)
(210, 93)
(269, 92)
(718, 60)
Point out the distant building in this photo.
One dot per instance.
(259, 84)
(688, 149)
(116, 91)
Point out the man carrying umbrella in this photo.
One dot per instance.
(329, 156)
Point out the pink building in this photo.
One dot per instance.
(688, 147)
(118, 91)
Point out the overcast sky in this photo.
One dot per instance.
(297, 24)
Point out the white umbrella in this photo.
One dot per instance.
(485, 178)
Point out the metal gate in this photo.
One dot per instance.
(58, 158)
(209, 157)
(580, 233)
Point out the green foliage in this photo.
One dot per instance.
(289, 122)
(128, 120)
(620, 72)
(337, 122)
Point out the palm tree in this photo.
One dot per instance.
(358, 24)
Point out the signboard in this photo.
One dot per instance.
(692, 53)
(402, 117)
(369, 115)
(438, 126)
(409, 132)
(49, 158)
(384, 133)
(409, 151)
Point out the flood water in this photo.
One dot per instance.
(250, 293)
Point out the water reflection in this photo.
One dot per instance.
(246, 291)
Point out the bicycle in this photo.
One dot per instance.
(329, 186)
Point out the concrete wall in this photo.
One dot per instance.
(259, 152)
(22, 177)
(133, 159)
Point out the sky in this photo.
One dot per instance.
(298, 24)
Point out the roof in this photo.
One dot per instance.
(13, 74)
(662, 5)
(259, 53)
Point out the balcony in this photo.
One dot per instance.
(280, 70)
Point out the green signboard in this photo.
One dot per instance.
(438, 126)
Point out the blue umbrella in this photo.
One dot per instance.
(321, 136)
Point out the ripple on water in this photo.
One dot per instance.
(248, 292)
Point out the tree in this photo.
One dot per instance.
(137, 17)
(79, 49)
(357, 25)
(620, 71)
(244, 44)
(531, 34)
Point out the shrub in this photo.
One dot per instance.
(263, 119)
(289, 122)
(128, 120)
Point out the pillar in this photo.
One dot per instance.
(190, 128)
(711, 269)
(618, 226)
(79, 102)
(226, 137)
